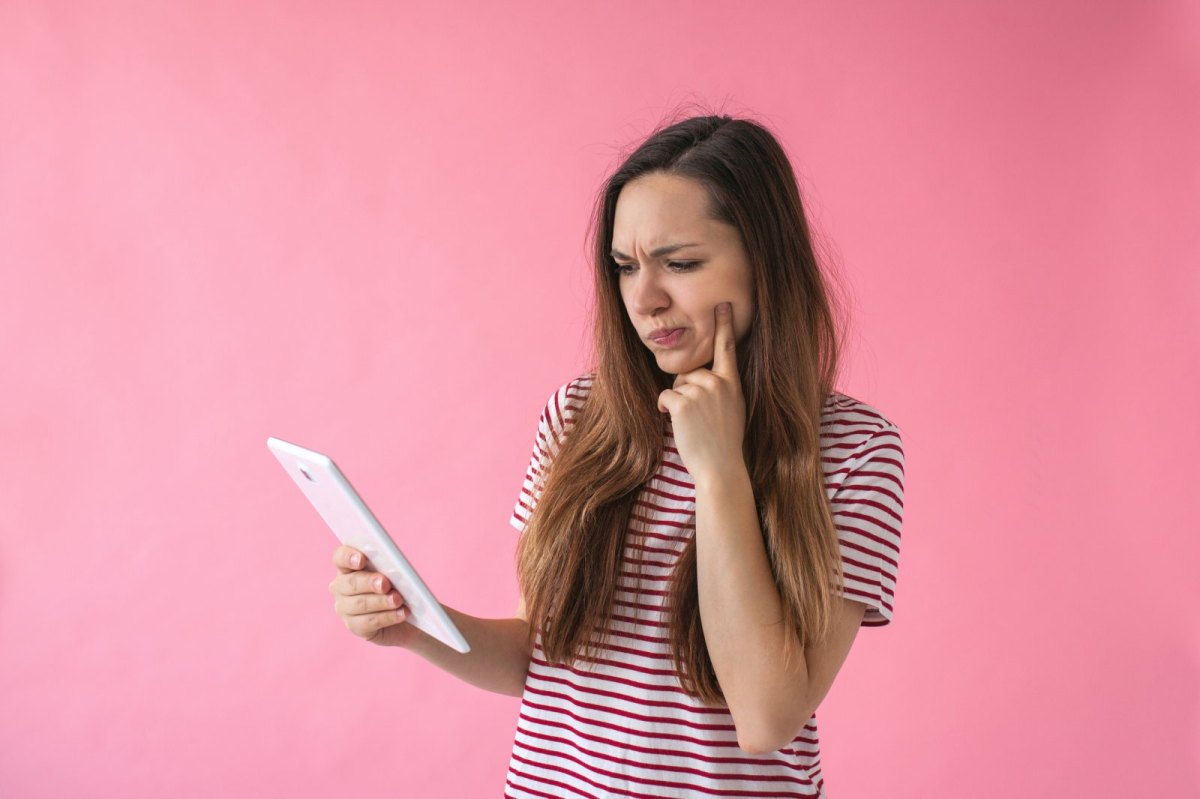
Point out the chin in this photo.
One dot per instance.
(676, 370)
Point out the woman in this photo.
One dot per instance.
(706, 521)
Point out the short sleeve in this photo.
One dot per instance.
(868, 509)
(553, 426)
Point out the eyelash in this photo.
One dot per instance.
(683, 266)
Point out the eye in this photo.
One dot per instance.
(678, 266)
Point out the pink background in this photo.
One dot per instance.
(360, 226)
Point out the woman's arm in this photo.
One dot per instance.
(741, 614)
(499, 656)
(371, 609)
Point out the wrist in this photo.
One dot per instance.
(721, 477)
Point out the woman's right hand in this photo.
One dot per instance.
(367, 603)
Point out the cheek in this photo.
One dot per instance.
(741, 326)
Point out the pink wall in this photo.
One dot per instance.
(351, 224)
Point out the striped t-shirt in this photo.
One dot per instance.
(623, 726)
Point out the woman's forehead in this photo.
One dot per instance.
(659, 210)
(661, 197)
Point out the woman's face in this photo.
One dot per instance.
(666, 285)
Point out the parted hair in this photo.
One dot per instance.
(568, 558)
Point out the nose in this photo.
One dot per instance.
(645, 293)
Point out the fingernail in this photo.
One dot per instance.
(723, 307)
(378, 583)
(356, 560)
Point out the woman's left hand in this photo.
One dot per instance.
(708, 412)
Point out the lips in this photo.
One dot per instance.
(663, 332)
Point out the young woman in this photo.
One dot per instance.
(706, 521)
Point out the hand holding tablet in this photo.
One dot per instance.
(364, 595)
(367, 603)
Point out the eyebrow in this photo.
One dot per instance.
(666, 249)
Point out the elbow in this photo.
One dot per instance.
(769, 736)
(756, 743)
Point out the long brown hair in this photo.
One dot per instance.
(568, 558)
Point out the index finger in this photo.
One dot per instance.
(724, 343)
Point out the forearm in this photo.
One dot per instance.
(741, 613)
(499, 656)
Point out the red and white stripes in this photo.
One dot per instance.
(621, 725)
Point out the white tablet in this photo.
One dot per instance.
(353, 523)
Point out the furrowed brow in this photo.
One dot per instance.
(666, 249)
